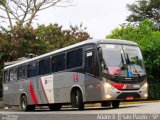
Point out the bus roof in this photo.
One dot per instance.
(95, 41)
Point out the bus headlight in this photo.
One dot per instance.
(108, 96)
(145, 86)
(107, 85)
(145, 95)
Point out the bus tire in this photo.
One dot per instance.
(55, 107)
(115, 104)
(105, 104)
(24, 104)
(77, 99)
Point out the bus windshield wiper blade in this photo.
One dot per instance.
(122, 61)
(129, 63)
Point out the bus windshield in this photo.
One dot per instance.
(123, 60)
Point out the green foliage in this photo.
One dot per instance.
(40, 40)
(2, 2)
(149, 41)
(145, 9)
(55, 37)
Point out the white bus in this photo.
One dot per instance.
(92, 71)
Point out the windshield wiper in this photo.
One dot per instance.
(122, 61)
(129, 63)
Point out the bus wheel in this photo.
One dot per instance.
(24, 104)
(115, 104)
(55, 107)
(105, 104)
(77, 99)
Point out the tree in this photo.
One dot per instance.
(23, 12)
(145, 9)
(40, 40)
(55, 37)
(20, 14)
(149, 42)
(48, 38)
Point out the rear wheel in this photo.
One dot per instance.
(55, 107)
(77, 99)
(115, 104)
(24, 104)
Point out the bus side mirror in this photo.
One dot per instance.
(99, 49)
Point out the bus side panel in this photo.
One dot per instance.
(63, 83)
(12, 92)
(23, 89)
(93, 88)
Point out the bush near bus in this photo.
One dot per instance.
(148, 38)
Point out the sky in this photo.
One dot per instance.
(99, 16)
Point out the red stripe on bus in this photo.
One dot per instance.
(35, 101)
(44, 91)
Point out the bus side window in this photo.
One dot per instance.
(44, 66)
(74, 58)
(78, 60)
(70, 59)
(13, 74)
(58, 63)
(22, 72)
(6, 76)
(33, 70)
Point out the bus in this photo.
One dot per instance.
(93, 71)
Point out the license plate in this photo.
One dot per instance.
(129, 98)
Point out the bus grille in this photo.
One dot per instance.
(124, 95)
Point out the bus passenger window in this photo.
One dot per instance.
(32, 70)
(58, 63)
(22, 72)
(74, 58)
(70, 59)
(13, 75)
(44, 66)
(78, 58)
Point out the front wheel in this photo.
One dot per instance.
(115, 104)
(77, 99)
